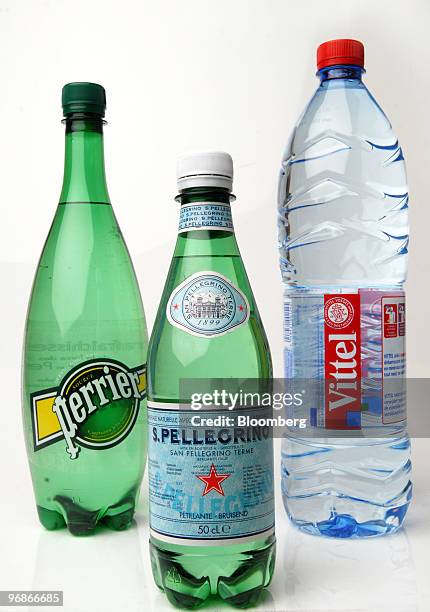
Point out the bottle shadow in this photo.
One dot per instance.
(265, 603)
(96, 574)
(369, 574)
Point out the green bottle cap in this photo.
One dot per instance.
(84, 98)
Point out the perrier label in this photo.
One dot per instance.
(84, 377)
(95, 406)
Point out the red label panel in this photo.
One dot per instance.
(390, 320)
(342, 354)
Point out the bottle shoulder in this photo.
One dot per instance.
(207, 325)
(345, 109)
(342, 194)
(85, 267)
(176, 359)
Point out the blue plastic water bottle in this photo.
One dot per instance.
(343, 237)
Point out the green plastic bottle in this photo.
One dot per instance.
(84, 365)
(211, 489)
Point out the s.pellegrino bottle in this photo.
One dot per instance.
(84, 374)
(343, 238)
(211, 488)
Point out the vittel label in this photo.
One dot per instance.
(205, 216)
(349, 349)
(95, 406)
(342, 343)
(208, 484)
(207, 304)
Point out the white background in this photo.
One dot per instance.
(179, 75)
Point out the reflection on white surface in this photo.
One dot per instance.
(100, 573)
(348, 575)
(266, 603)
(111, 572)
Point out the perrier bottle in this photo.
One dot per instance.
(211, 488)
(85, 346)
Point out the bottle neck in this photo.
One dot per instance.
(195, 195)
(340, 72)
(205, 208)
(84, 169)
(205, 223)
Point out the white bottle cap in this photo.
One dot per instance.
(205, 169)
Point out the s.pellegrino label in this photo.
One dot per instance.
(208, 484)
(207, 304)
(95, 406)
(205, 216)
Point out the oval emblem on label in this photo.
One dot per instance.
(95, 406)
(207, 304)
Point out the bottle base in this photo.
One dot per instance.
(189, 579)
(347, 527)
(348, 489)
(82, 522)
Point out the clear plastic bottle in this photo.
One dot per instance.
(343, 239)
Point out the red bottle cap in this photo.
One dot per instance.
(341, 51)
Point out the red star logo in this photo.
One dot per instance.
(175, 306)
(241, 308)
(213, 481)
